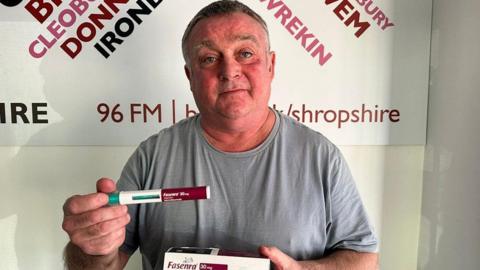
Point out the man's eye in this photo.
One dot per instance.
(209, 59)
(246, 54)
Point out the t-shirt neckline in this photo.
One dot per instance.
(251, 152)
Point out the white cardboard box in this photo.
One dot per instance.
(188, 258)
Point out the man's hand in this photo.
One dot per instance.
(339, 260)
(93, 228)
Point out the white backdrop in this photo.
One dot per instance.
(332, 74)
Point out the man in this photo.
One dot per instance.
(276, 186)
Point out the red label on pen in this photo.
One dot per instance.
(211, 266)
(184, 194)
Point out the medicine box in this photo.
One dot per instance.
(191, 258)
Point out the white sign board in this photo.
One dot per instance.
(110, 72)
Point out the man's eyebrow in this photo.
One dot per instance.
(204, 43)
(245, 37)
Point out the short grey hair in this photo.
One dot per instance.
(219, 8)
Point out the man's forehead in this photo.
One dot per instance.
(233, 38)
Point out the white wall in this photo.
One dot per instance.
(36, 181)
(390, 182)
(450, 231)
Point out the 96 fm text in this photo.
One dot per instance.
(142, 112)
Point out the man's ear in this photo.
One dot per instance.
(271, 68)
(188, 73)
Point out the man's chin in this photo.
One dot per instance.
(234, 110)
(234, 115)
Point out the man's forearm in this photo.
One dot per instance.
(343, 260)
(76, 259)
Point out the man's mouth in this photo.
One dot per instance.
(227, 91)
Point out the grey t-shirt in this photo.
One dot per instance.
(294, 191)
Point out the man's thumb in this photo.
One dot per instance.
(281, 260)
(106, 185)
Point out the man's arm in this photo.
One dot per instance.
(338, 260)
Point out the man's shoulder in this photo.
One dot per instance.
(304, 142)
(172, 135)
(299, 132)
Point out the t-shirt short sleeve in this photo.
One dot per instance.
(348, 225)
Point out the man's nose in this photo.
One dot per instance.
(230, 69)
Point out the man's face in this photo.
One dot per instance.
(229, 66)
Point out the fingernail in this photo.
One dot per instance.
(102, 198)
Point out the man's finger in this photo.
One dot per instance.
(83, 203)
(106, 244)
(76, 222)
(106, 185)
(281, 260)
(100, 230)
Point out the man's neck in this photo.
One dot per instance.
(230, 139)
